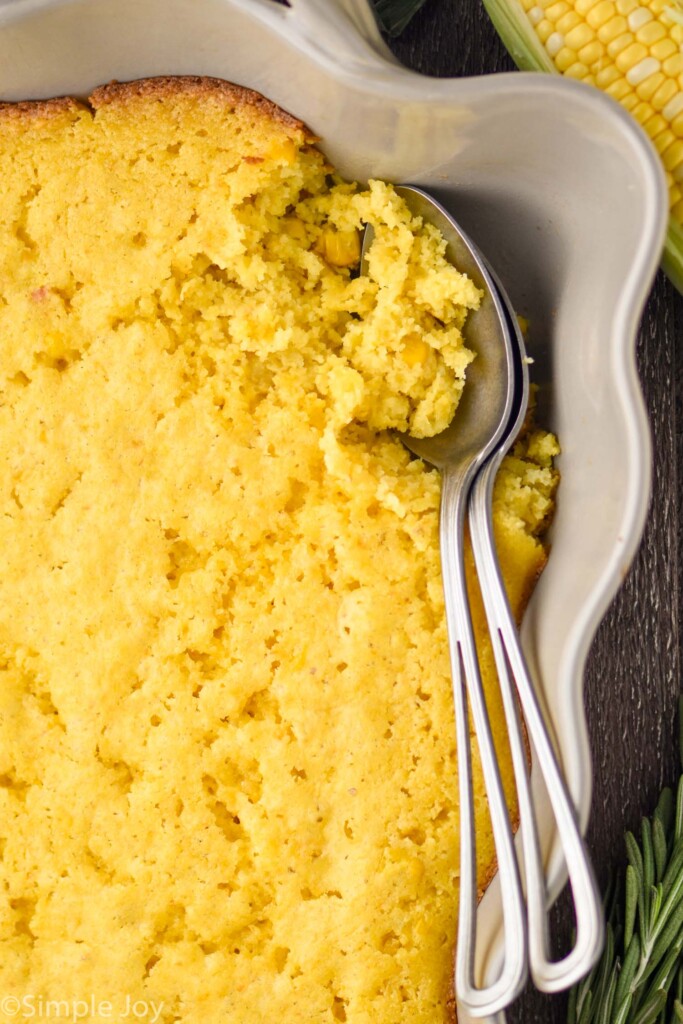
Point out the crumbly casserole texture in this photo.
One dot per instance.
(228, 780)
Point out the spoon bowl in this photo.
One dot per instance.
(486, 404)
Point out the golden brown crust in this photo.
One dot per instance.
(166, 86)
(162, 87)
(27, 110)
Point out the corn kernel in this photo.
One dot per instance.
(283, 151)
(415, 351)
(619, 90)
(655, 125)
(644, 69)
(579, 71)
(579, 36)
(642, 112)
(674, 107)
(601, 14)
(638, 17)
(564, 59)
(664, 94)
(628, 102)
(677, 126)
(591, 53)
(554, 43)
(631, 56)
(674, 194)
(622, 42)
(544, 30)
(626, 6)
(664, 140)
(663, 49)
(568, 22)
(673, 155)
(648, 88)
(607, 76)
(673, 65)
(582, 7)
(614, 41)
(340, 248)
(651, 33)
(614, 27)
(296, 229)
(556, 10)
(677, 210)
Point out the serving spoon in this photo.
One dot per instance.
(468, 454)
(459, 452)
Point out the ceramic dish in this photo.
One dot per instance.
(553, 181)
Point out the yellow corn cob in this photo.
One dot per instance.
(631, 49)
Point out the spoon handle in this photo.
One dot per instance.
(513, 673)
(467, 687)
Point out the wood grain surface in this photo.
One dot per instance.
(633, 676)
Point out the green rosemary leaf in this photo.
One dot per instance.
(630, 903)
(648, 860)
(604, 973)
(628, 972)
(635, 857)
(673, 903)
(592, 990)
(655, 907)
(678, 831)
(665, 809)
(678, 1010)
(622, 1012)
(585, 1015)
(604, 1014)
(665, 975)
(580, 1001)
(675, 865)
(652, 999)
(394, 15)
(669, 939)
(652, 1008)
(659, 847)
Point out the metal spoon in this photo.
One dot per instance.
(459, 452)
(469, 454)
(513, 674)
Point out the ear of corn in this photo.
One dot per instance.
(630, 49)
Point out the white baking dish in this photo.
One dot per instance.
(554, 182)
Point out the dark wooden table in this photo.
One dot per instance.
(633, 677)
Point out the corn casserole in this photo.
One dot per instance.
(228, 779)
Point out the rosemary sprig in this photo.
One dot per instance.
(639, 978)
(394, 15)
